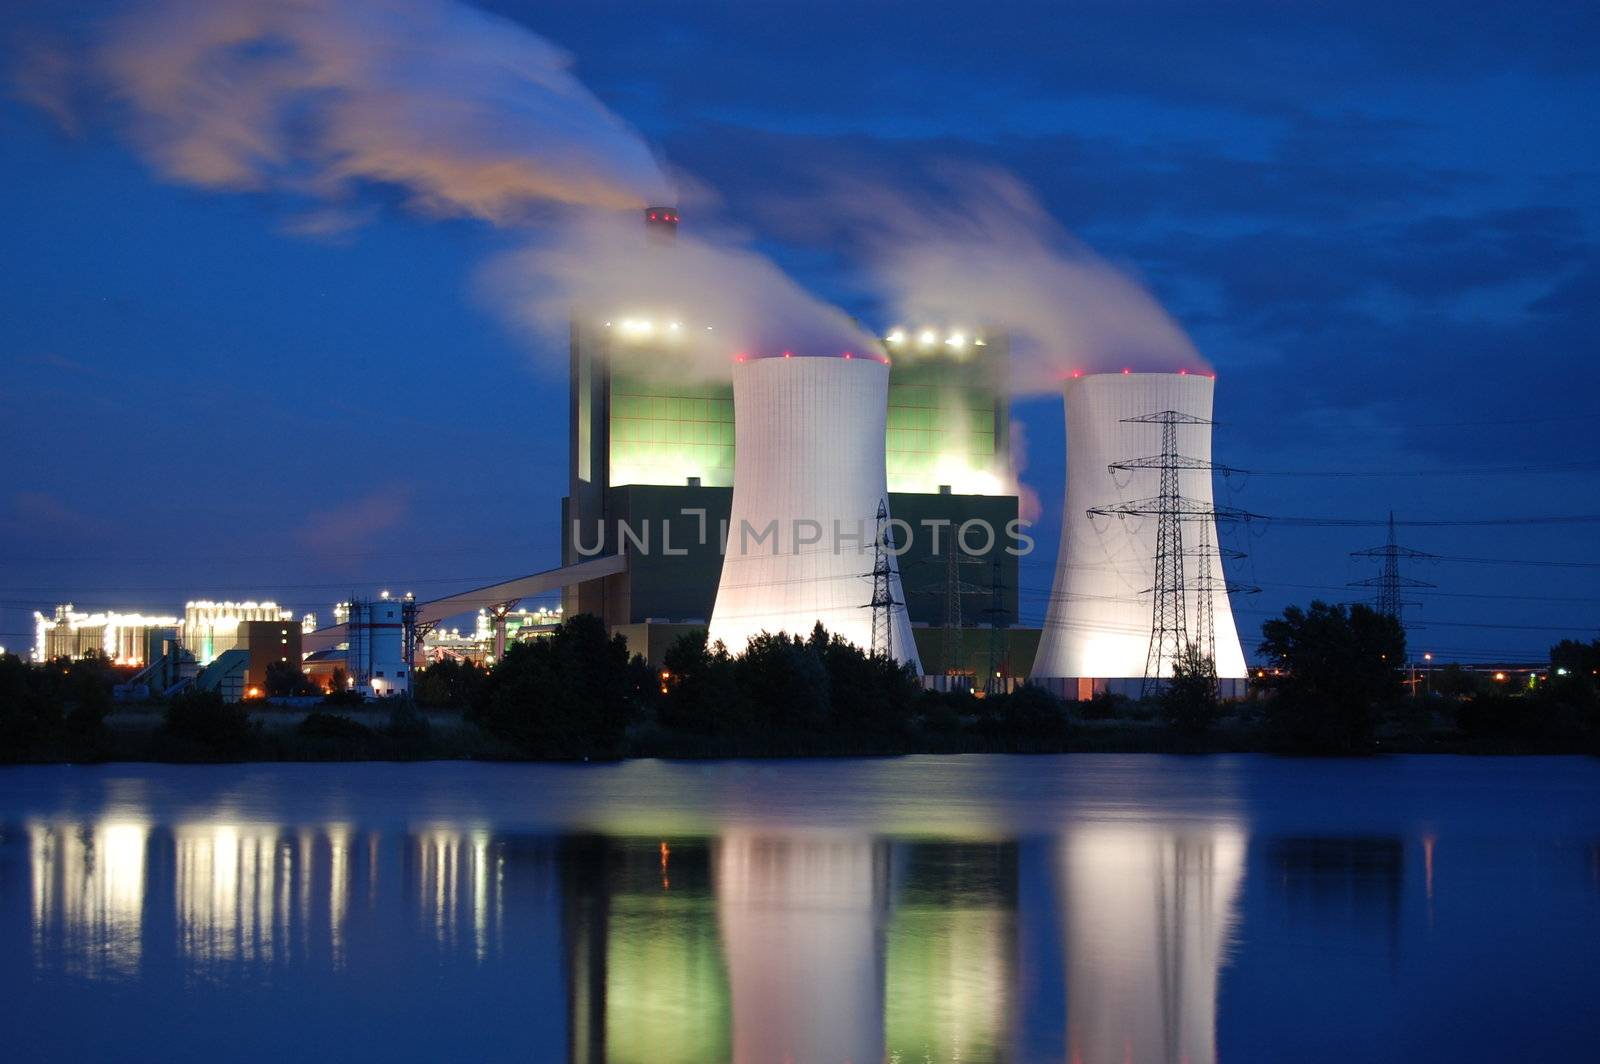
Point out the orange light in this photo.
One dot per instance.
(1499, 676)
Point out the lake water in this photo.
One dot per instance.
(1081, 908)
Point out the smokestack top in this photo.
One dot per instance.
(661, 222)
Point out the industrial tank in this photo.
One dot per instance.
(808, 480)
(1098, 623)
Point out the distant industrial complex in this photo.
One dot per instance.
(868, 491)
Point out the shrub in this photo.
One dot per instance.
(1189, 698)
(204, 719)
(320, 725)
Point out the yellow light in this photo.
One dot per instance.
(637, 327)
(1499, 676)
(927, 337)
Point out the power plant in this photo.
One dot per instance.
(869, 491)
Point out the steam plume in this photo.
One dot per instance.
(983, 251)
(467, 113)
(725, 299)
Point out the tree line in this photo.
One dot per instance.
(1334, 682)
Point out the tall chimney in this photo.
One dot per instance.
(661, 223)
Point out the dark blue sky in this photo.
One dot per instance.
(1377, 221)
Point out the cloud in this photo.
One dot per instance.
(356, 522)
(43, 78)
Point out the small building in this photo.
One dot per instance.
(267, 643)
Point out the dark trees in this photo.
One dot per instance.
(565, 695)
(1189, 700)
(1341, 666)
(449, 682)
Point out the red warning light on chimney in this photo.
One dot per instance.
(661, 221)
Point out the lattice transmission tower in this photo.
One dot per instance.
(883, 601)
(993, 682)
(1389, 583)
(1169, 623)
(954, 588)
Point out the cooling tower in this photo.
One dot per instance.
(1097, 628)
(808, 478)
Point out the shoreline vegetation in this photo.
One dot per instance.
(1331, 689)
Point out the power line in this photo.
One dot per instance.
(1482, 471)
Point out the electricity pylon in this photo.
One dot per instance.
(1169, 625)
(1389, 582)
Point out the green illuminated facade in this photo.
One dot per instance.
(948, 422)
(652, 442)
(667, 430)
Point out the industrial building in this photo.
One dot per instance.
(652, 453)
(210, 629)
(124, 638)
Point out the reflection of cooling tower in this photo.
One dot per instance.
(1148, 914)
(808, 477)
(802, 928)
(1098, 625)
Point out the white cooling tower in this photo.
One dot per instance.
(1097, 627)
(808, 477)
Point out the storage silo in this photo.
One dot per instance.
(1098, 624)
(375, 658)
(808, 480)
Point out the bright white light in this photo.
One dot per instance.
(637, 326)
(927, 337)
(957, 340)
(675, 326)
(896, 336)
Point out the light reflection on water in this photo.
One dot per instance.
(1112, 938)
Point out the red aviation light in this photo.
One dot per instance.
(1077, 373)
(1183, 373)
(738, 358)
(1126, 371)
(848, 355)
(788, 354)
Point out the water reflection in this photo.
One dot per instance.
(752, 946)
(802, 920)
(88, 896)
(1352, 886)
(952, 951)
(1148, 913)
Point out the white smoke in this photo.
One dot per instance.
(466, 113)
(982, 251)
(711, 296)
